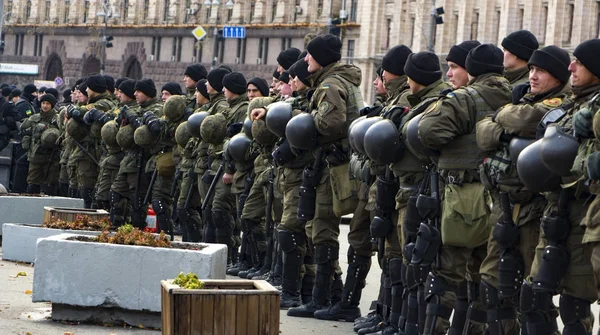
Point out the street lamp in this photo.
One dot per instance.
(213, 4)
(106, 13)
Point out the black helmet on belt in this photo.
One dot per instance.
(194, 122)
(559, 150)
(413, 142)
(301, 132)
(248, 128)
(382, 143)
(516, 145)
(279, 114)
(358, 131)
(238, 147)
(533, 172)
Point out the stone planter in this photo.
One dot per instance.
(19, 240)
(89, 281)
(30, 210)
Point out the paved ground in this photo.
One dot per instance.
(18, 315)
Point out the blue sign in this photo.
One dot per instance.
(58, 81)
(234, 32)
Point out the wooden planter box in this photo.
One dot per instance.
(69, 214)
(222, 307)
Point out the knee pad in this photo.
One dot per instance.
(381, 227)
(159, 206)
(222, 221)
(290, 242)
(489, 295)
(395, 266)
(532, 300)
(115, 198)
(556, 228)
(506, 235)
(183, 214)
(572, 311)
(413, 219)
(325, 253)
(552, 268)
(407, 251)
(427, 245)
(510, 273)
(386, 192)
(435, 286)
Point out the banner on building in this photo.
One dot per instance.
(13, 68)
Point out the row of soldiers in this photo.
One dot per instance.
(478, 195)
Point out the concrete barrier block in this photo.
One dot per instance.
(73, 272)
(30, 210)
(19, 240)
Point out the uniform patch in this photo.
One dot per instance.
(323, 107)
(450, 95)
(325, 86)
(553, 102)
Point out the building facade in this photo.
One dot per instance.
(152, 38)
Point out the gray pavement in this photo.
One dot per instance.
(18, 315)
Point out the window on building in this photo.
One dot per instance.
(174, 49)
(252, 6)
(296, 7)
(9, 6)
(47, 11)
(197, 52)
(166, 10)
(354, 11)
(28, 9)
(67, 9)
(125, 10)
(17, 40)
(86, 11)
(273, 10)
(229, 14)
(37, 44)
(263, 50)
(156, 41)
(146, 8)
(497, 27)
(520, 15)
(544, 21)
(260, 51)
(243, 55)
(388, 31)
(319, 8)
(474, 25)
(350, 53)
(412, 30)
(570, 11)
(598, 19)
(208, 12)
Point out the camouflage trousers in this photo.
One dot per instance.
(188, 187)
(359, 236)
(109, 168)
(255, 209)
(40, 174)
(125, 185)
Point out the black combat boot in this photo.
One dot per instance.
(347, 309)
(209, 226)
(33, 189)
(325, 256)
(63, 189)
(163, 217)
(277, 268)
(292, 257)
(72, 193)
(87, 194)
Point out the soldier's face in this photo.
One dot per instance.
(313, 65)
(124, 97)
(299, 84)
(580, 75)
(46, 106)
(118, 94)
(280, 69)
(188, 82)
(140, 97)
(379, 87)
(200, 99)
(82, 98)
(74, 95)
(293, 84)
(457, 75)
(228, 94)
(253, 92)
(210, 89)
(541, 80)
(164, 95)
(510, 60)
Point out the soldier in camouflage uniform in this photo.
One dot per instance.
(170, 89)
(40, 139)
(66, 146)
(518, 47)
(80, 93)
(548, 77)
(189, 216)
(217, 104)
(563, 261)
(135, 170)
(449, 126)
(111, 162)
(88, 148)
(334, 105)
(192, 75)
(162, 131)
(380, 92)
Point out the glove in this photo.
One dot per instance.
(519, 92)
(582, 123)
(593, 165)
(155, 125)
(188, 112)
(148, 116)
(133, 121)
(504, 137)
(371, 111)
(234, 128)
(283, 154)
(73, 113)
(92, 116)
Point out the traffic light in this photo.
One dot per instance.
(107, 40)
(334, 29)
(1, 47)
(438, 15)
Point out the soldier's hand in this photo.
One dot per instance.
(257, 113)
(227, 178)
(519, 92)
(234, 129)
(582, 123)
(593, 166)
(148, 116)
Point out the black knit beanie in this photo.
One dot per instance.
(302, 73)
(302, 55)
(235, 82)
(15, 93)
(554, 60)
(42, 89)
(521, 43)
(196, 72)
(96, 83)
(128, 87)
(458, 53)
(173, 88)
(261, 84)
(29, 89)
(288, 57)
(285, 77)
(325, 49)
(587, 53)
(119, 81)
(486, 58)
(50, 98)
(53, 91)
(395, 59)
(146, 86)
(379, 72)
(292, 71)
(67, 95)
(423, 67)
(201, 87)
(276, 74)
(215, 78)
(110, 83)
(6, 91)
(83, 88)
